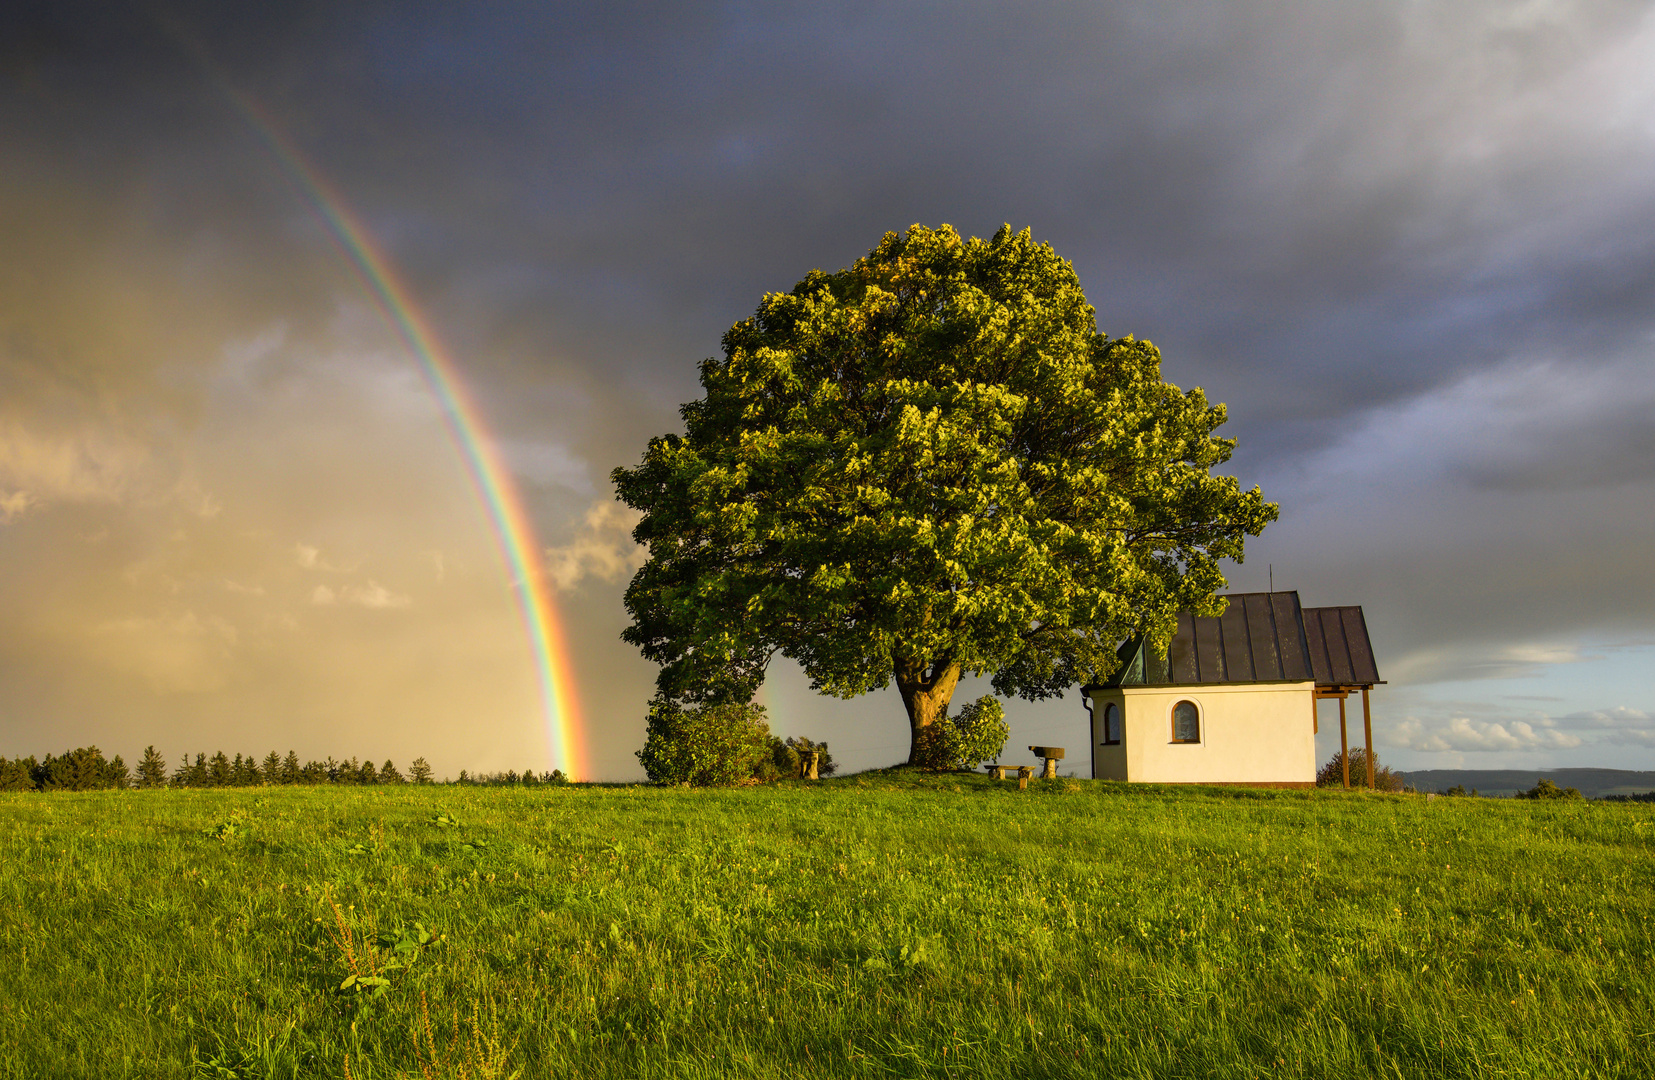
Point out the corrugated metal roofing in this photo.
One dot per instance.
(1261, 637)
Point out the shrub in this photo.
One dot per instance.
(705, 745)
(801, 745)
(782, 761)
(1546, 788)
(1332, 774)
(976, 735)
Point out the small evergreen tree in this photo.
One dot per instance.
(315, 772)
(152, 769)
(420, 771)
(388, 773)
(117, 774)
(270, 769)
(291, 768)
(218, 771)
(17, 774)
(366, 773)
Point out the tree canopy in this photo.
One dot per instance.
(928, 464)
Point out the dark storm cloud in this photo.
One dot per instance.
(1409, 245)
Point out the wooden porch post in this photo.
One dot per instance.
(1367, 729)
(1344, 746)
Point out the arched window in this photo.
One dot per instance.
(1111, 724)
(1186, 722)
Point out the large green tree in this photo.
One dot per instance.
(929, 464)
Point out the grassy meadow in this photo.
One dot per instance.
(872, 926)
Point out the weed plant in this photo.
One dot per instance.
(874, 925)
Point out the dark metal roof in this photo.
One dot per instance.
(1340, 652)
(1261, 637)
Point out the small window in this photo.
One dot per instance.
(1111, 724)
(1186, 722)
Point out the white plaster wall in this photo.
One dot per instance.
(1108, 762)
(1250, 734)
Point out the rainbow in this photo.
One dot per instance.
(501, 499)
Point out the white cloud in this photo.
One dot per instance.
(309, 557)
(603, 549)
(373, 595)
(13, 504)
(92, 464)
(1465, 734)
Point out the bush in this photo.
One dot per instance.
(782, 762)
(800, 745)
(705, 745)
(1332, 774)
(976, 735)
(1546, 788)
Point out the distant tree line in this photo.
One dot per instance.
(86, 769)
(502, 779)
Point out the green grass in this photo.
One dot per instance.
(873, 926)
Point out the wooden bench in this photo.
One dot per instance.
(1024, 772)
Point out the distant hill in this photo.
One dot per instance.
(1593, 783)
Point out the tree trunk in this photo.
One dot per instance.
(926, 690)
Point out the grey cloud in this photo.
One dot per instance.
(1619, 718)
(1409, 245)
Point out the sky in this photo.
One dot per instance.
(1411, 246)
